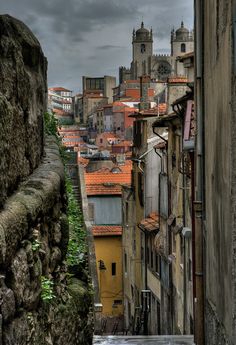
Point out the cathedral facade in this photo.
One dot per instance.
(158, 67)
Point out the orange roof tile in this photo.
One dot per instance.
(83, 161)
(177, 80)
(124, 143)
(107, 230)
(151, 223)
(108, 135)
(118, 104)
(59, 89)
(98, 189)
(105, 182)
(108, 177)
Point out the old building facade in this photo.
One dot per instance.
(215, 172)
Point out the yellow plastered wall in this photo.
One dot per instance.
(109, 250)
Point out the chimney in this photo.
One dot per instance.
(144, 86)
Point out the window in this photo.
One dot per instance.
(125, 263)
(91, 211)
(157, 263)
(137, 134)
(151, 259)
(117, 301)
(126, 212)
(141, 188)
(148, 254)
(159, 318)
(189, 270)
(113, 269)
(142, 48)
(183, 48)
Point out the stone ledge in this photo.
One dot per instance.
(34, 197)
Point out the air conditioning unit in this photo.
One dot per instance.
(187, 232)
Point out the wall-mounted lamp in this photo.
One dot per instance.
(101, 265)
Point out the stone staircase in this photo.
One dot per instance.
(143, 340)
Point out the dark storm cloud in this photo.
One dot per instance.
(109, 46)
(94, 36)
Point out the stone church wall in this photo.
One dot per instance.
(34, 230)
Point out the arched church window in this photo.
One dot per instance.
(183, 48)
(143, 48)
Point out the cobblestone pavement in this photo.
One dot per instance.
(139, 340)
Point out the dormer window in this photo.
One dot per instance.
(143, 48)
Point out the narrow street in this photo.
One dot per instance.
(141, 340)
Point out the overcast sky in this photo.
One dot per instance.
(93, 37)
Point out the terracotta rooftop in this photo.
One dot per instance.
(107, 230)
(177, 80)
(108, 135)
(107, 177)
(124, 143)
(151, 223)
(83, 161)
(59, 112)
(106, 182)
(118, 104)
(99, 189)
(58, 88)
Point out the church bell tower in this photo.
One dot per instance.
(142, 52)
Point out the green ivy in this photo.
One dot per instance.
(77, 242)
(35, 245)
(47, 289)
(50, 124)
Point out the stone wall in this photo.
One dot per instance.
(33, 243)
(34, 229)
(23, 87)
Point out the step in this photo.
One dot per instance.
(141, 340)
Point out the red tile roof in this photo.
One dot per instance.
(98, 189)
(105, 182)
(124, 143)
(151, 223)
(83, 161)
(177, 80)
(107, 230)
(58, 88)
(108, 135)
(100, 178)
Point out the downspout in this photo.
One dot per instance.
(160, 136)
(184, 249)
(198, 203)
(169, 303)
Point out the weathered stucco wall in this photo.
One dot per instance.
(220, 156)
(23, 86)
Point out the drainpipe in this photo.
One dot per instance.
(184, 250)
(198, 203)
